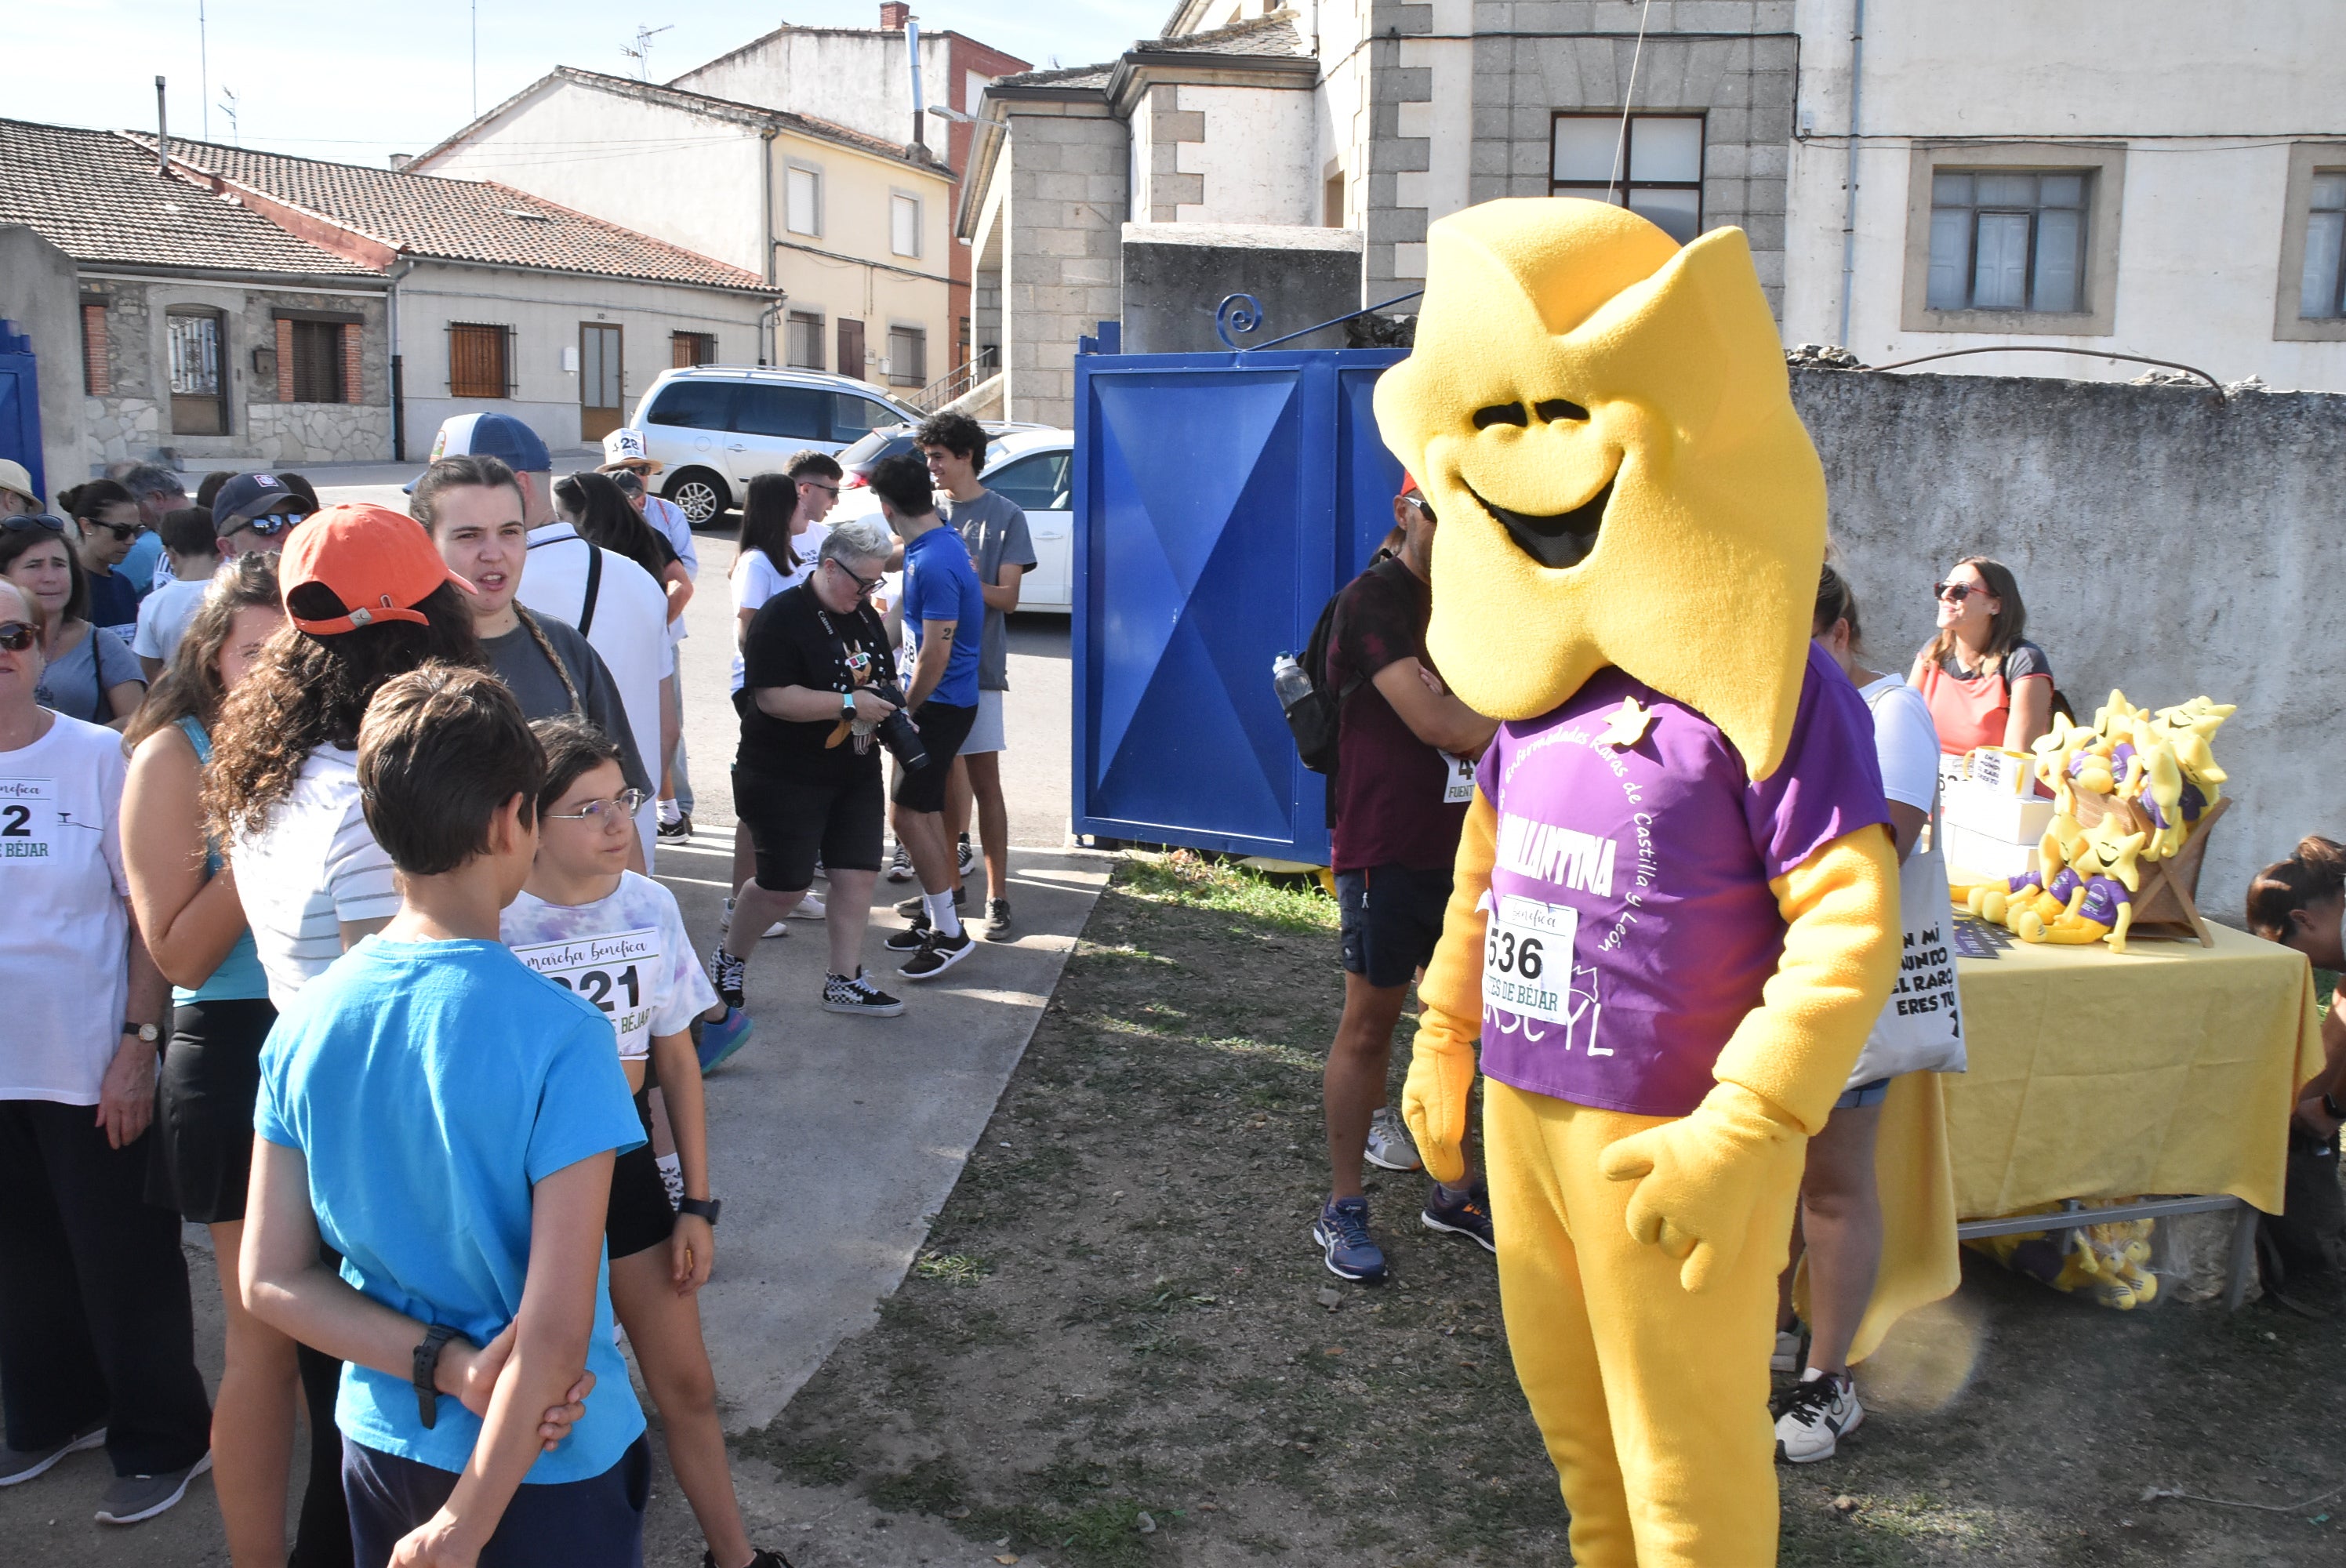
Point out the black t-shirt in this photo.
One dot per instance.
(794, 641)
(1387, 799)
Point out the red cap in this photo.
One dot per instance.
(379, 562)
(1408, 485)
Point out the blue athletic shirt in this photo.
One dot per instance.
(431, 1085)
(940, 585)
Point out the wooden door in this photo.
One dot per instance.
(199, 377)
(850, 348)
(601, 380)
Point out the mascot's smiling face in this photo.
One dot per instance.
(1603, 425)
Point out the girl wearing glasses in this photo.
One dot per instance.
(91, 674)
(107, 516)
(1986, 684)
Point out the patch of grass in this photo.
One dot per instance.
(951, 1267)
(1194, 881)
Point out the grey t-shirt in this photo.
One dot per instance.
(994, 529)
(76, 683)
(521, 664)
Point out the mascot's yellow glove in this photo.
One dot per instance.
(1700, 1178)
(1441, 1060)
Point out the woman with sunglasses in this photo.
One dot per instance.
(107, 516)
(220, 1015)
(90, 674)
(1987, 685)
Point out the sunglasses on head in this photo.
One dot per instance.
(1955, 592)
(18, 636)
(25, 523)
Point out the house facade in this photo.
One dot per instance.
(195, 328)
(496, 298)
(850, 231)
(2155, 177)
(862, 79)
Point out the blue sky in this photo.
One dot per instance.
(358, 79)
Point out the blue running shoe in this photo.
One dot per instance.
(1341, 1234)
(1468, 1217)
(717, 1041)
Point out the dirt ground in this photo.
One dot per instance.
(1121, 1349)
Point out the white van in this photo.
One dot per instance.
(717, 427)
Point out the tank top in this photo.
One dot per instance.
(239, 977)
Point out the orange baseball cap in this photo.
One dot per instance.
(1408, 485)
(378, 562)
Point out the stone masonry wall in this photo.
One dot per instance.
(1068, 186)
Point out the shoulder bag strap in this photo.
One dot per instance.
(593, 588)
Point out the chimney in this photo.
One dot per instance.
(162, 133)
(893, 16)
(402, 160)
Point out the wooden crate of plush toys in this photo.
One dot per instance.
(2134, 796)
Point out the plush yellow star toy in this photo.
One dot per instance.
(1680, 823)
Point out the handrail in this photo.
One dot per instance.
(2213, 384)
(1242, 313)
(955, 381)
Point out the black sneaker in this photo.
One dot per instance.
(916, 909)
(756, 1559)
(937, 954)
(679, 828)
(965, 857)
(133, 1498)
(900, 864)
(19, 1464)
(1469, 1216)
(997, 920)
(859, 995)
(910, 939)
(725, 973)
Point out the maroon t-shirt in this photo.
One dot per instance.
(1387, 795)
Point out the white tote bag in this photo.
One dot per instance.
(1921, 1029)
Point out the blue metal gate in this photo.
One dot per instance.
(1219, 500)
(20, 404)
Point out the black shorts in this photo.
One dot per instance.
(639, 1216)
(1391, 917)
(943, 729)
(792, 823)
(199, 1160)
(598, 1522)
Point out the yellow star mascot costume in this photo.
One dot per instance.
(1676, 910)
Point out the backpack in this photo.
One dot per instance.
(1312, 712)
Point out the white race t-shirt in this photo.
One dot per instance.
(1906, 741)
(676, 529)
(66, 966)
(628, 954)
(164, 615)
(314, 865)
(754, 579)
(629, 629)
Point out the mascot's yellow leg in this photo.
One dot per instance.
(1653, 1401)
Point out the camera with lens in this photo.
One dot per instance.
(897, 732)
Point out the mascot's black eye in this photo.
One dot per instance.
(1500, 413)
(1557, 408)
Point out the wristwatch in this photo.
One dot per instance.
(702, 1207)
(427, 1362)
(148, 1033)
(847, 705)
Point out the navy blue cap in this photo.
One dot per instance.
(249, 495)
(498, 435)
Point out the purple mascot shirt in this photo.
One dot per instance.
(1631, 924)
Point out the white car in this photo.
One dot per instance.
(1033, 465)
(716, 427)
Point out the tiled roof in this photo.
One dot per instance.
(97, 197)
(1273, 36)
(435, 216)
(1065, 76)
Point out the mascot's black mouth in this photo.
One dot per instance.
(1562, 540)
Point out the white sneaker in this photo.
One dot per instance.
(808, 907)
(1815, 1414)
(1389, 1147)
(1789, 1351)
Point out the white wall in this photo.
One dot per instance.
(2203, 97)
(1255, 156)
(683, 178)
(858, 79)
(546, 311)
(1341, 115)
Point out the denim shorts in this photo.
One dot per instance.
(1390, 918)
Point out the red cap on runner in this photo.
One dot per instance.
(379, 563)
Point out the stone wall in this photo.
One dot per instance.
(1176, 274)
(37, 292)
(2167, 542)
(294, 433)
(1068, 182)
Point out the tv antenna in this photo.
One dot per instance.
(227, 107)
(640, 52)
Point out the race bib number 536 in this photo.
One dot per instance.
(615, 972)
(1528, 958)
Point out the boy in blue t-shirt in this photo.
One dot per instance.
(445, 1120)
(945, 619)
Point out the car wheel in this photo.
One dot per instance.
(699, 494)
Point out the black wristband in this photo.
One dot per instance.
(701, 1209)
(427, 1364)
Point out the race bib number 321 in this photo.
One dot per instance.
(1528, 958)
(616, 972)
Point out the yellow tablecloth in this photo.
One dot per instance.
(2170, 1068)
